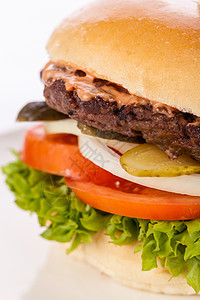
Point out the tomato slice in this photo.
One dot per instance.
(59, 154)
(142, 202)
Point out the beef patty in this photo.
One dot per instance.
(175, 133)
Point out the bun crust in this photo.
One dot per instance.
(150, 47)
(126, 267)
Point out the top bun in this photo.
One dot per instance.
(150, 47)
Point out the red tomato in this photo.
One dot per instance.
(138, 201)
(59, 154)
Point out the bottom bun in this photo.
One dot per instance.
(122, 264)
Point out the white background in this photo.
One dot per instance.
(27, 270)
(25, 27)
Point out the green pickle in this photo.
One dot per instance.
(39, 111)
(149, 161)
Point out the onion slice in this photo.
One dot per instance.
(70, 126)
(100, 154)
(97, 150)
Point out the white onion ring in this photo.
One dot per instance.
(96, 151)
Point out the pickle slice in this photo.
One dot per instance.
(39, 111)
(109, 135)
(149, 161)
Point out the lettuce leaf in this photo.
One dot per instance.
(65, 218)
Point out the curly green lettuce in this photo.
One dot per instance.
(175, 243)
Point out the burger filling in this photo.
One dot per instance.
(109, 107)
(66, 218)
(75, 196)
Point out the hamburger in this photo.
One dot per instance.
(113, 167)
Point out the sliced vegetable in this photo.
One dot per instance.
(59, 154)
(78, 128)
(108, 134)
(175, 243)
(132, 200)
(39, 111)
(69, 126)
(110, 161)
(148, 160)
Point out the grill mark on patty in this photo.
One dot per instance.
(175, 135)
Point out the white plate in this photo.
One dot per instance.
(33, 268)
